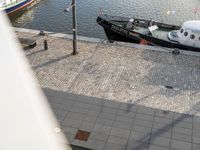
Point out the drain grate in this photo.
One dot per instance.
(82, 135)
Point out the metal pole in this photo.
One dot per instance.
(74, 27)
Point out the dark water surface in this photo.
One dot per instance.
(49, 15)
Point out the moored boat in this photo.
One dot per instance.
(149, 32)
(12, 6)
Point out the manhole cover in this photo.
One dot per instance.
(82, 135)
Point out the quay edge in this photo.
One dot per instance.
(105, 41)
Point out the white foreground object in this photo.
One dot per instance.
(27, 122)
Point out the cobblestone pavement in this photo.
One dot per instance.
(112, 125)
(135, 76)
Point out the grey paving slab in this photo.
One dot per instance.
(180, 145)
(58, 94)
(60, 115)
(163, 120)
(69, 137)
(196, 133)
(157, 147)
(99, 136)
(135, 145)
(123, 133)
(67, 96)
(124, 113)
(111, 146)
(80, 143)
(107, 115)
(141, 122)
(161, 133)
(74, 115)
(129, 107)
(102, 129)
(67, 102)
(112, 104)
(196, 127)
(162, 126)
(139, 136)
(72, 122)
(69, 130)
(146, 110)
(92, 113)
(58, 106)
(196, 120)
(80, 110)
(83, 105)
(89, 118)
(89, 100)
(146, 117)
(186, 125)
(164, 114)
(182, 137)
(161, 141)
(129, 120)
(117, 140)
(122, 125)
(109, 110)
(87, 126)
(182, 131)
(195, 146)
(104, 121)
(196, 140)
(141, 129)
(56, 100)
(96, 108)
(69, 133)
(74, 147)
(183, 117)
(119, 128)
(52, 93)
(95, 144)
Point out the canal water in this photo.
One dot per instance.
(49, 15)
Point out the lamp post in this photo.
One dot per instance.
(75, 51)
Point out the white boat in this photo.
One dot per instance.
(12, 6)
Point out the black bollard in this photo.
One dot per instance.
(42, 33)
(45, 45)
(176, 52)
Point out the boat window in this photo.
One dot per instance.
(181, 30)
(192, 36)
(185, 33)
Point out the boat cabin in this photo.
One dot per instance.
(188, 34)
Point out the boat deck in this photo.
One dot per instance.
(160, 33)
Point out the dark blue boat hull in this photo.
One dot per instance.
(18, 6)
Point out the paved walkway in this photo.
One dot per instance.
(150, 78)
(111, 125)
(141, 99)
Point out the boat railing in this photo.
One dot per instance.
(12, 2)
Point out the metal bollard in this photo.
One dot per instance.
(176, 52)
(42, 33)
(45, 45)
